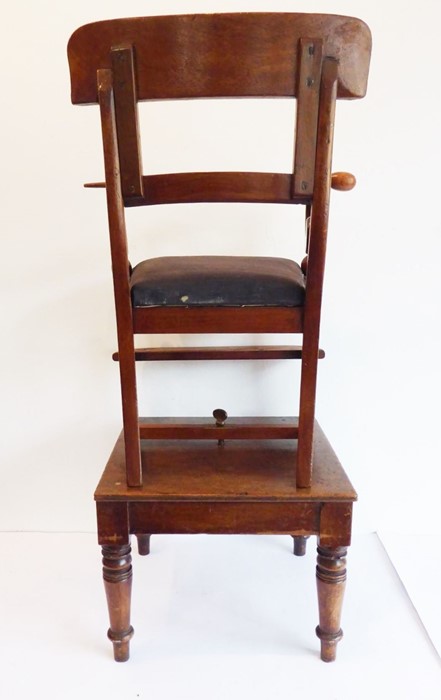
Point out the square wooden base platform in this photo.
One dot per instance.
(240, 487)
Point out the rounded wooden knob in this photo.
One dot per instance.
(220, 416)
(343, 181)
(304, 265)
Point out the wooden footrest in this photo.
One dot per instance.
(255, 428)
(258, 352)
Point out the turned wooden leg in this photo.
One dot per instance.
(331, 579)
(143, 544)
(117, 574)
(300, 545)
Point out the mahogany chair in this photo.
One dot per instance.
(313, 58)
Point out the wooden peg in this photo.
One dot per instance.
(343, 181)
(220, 416)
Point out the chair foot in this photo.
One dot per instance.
(300, 545)
(121, 644)
(331, 580)
(117, 574)
(143, 544)
(328, 644)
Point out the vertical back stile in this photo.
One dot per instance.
(308, 93)
(118, 248)
(315, 272)
(126, 108)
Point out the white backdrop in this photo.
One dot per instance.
(379, 386)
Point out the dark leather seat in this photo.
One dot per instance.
(217, 281)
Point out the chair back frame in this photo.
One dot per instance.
(314, 58)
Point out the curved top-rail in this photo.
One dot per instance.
(219, 55)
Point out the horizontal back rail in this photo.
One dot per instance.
(185, 188)
(218, 55)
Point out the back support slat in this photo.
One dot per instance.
(215, 56)
(185, 188)
(217, 187)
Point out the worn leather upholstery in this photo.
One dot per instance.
(217, 281)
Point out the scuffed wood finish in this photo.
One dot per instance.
(195, 487)
(226, 518)
(239, 471)
(237, 352)
(331, 582)
(335, 524)
(167, 69)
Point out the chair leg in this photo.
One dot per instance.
(300, 545)
(117, 574)
(331, 580)
(143, 544)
